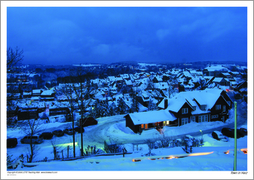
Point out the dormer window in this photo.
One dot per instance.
(185, 111)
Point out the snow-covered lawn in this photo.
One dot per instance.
(113, 129)
(216, 162)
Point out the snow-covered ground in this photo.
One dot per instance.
(215, 163)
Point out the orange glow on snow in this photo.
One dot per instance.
(136, 160)
(170, 157)
(227, 152)
(200, 154)
(244, 150)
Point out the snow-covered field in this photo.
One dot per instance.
(215, 163)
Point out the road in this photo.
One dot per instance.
(102, 133)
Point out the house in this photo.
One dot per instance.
(36, 92)
(89, 121)
(138, 122)
(27, 94)
(157, 79)
(48, 95)
(186, 107)
(28, 110)
(221, 81)
(215, 70)
(200, 106)
(27, 113)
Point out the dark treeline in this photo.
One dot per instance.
(76, 79)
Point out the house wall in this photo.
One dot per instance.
(224, 94)
(220, 112)
(130, 124)
(28, 114)
(58, 111)
(180, 115)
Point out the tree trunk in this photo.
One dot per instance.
(32, 152)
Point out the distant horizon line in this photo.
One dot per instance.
(124, 62)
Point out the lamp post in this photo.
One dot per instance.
(235, 133)
(202, 136)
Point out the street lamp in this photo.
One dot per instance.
(202, 136)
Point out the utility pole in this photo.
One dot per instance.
(235, 150)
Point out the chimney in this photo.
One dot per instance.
(165, 103)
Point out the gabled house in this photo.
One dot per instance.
(215, 70)
(186, 107)
(36, 92)
(48, 95)
(200, 106)
(221, 81)
(138, 122)
(157, 79)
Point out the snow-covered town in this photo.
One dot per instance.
(133, 91)
(129, 118)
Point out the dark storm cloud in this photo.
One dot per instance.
(68, 35)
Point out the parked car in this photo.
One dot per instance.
(35, 139)
(231, 133)
(68, 131)
(77, 129)
(58, 133)
(243, 131)
(46, 135)
(219, 136)
(12, 142)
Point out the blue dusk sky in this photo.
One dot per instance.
(68, 35)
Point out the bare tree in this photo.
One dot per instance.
(82, 90)
(67, 90)
(14, 56)
(30, 129)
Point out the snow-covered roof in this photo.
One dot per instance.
(125, 75)
(151, 117)
(226, 74)
(206, 97)
(27, 93)
(128, 82)
(161, 85)
(235, 73)
(47, 92)
(37, 91)
(216, 68)
(217, 79)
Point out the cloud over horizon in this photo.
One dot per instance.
(68, 35)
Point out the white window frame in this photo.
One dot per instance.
(193, 119)
(203, 118)
(184, 121)
(185, 111)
